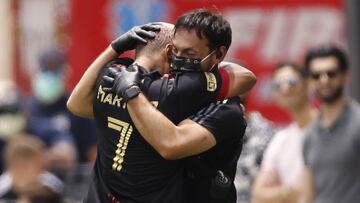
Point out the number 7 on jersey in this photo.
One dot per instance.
(125, 130)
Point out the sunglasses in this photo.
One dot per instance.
(330, 74)
(277, 84)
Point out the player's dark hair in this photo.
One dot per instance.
(207, 24)
(327, 51)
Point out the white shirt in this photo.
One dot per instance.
(47, 179)
(284, 154)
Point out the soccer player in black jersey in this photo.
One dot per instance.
(213, 135)
(218, 128)
(128, 169)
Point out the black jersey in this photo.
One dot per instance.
(127, 168)
(225, 120)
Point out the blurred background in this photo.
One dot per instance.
(265, 32)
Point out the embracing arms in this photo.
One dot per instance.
(170, 140)
(241, 79)
(80, 101)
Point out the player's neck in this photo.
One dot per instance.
(146, 62)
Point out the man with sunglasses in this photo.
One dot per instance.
(282, 164)
(332, 148)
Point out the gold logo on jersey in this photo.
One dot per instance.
(115, 100)
(109, 98)
(211, 81)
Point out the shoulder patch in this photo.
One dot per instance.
(211, 81)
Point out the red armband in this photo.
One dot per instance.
(224, 85)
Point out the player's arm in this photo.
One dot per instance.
(190, 136)
(80, 101)
(241, 80)
(180, 96)
(171, 141)
(191, 91)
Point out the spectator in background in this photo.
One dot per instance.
(12, 119)
(258, 133)
(332, 147)
(282, 167)
(26, 179)
(49, 119)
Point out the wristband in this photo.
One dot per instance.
(131, 92)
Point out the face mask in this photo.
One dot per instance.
(48, 87)
(180, 63)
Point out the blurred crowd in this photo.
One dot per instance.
(44, 144)
(315, 158)
(48, 152)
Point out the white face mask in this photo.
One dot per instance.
(48, 87)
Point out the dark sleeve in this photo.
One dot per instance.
(183, 95)
(223, 119)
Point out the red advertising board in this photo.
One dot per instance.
(264, 33)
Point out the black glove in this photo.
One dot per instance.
(128, 40)
(122, 79)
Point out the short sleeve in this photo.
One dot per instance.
(223, 119)
(225, 84)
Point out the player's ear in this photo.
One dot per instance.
(166, 54)
(220, 54)
(168, 50)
